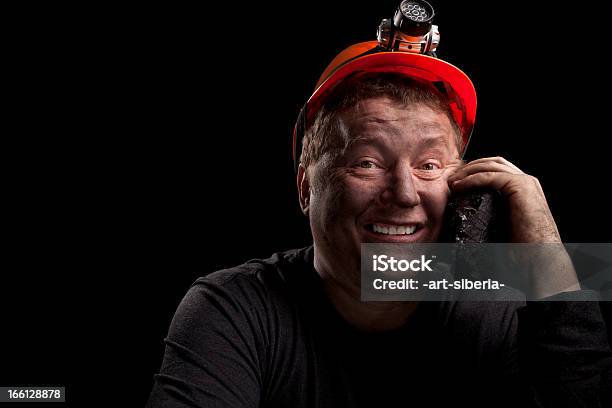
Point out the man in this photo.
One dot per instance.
(382, 140)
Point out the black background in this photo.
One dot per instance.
(148, 146)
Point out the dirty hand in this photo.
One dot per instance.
(531, 219)
(549, 267)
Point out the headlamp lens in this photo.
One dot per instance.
(414, 11)
(414, 17)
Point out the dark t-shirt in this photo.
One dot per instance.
(264, 334)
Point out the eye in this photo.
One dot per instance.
(430, 166)
(367, 164)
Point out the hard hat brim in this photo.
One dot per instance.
(458, 86)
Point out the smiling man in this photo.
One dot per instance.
(383, 138)
(374, 168)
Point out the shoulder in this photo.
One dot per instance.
(251, 289)
(247, 301)
(278, 271)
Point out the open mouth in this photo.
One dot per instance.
(386, 229)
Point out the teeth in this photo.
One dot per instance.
(394, 230)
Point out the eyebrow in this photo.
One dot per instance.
(367, 139)
(435, 141)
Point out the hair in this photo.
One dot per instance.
(328, 134)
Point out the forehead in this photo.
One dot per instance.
(385, 112)
(378, 117)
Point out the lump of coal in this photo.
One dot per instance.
(475, 217)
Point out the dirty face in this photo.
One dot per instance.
(388, 185)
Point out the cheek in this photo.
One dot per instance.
(434, 199)
(342, 199)
(359, 193)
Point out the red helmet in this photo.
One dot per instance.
(367, 57)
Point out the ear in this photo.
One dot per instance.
(303, 186)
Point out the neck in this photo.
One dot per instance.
(345, 295)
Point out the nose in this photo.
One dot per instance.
(401, 188)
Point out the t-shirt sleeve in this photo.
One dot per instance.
(212, 356)
(563, 352)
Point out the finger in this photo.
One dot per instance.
(490, 179)
(454, 167)
(471, 168)
(497, 159)
(456, 163)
